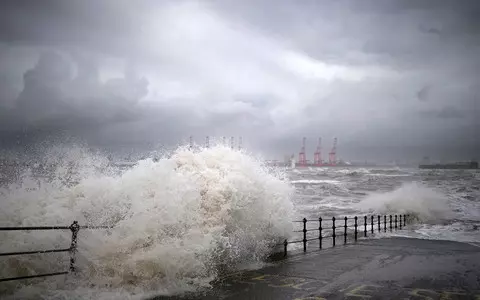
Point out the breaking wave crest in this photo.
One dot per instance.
(422, 202)
(315, 181)
(177, 222)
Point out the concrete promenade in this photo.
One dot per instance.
(388, 268)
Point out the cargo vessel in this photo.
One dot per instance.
(456, 165)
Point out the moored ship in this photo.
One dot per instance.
(456, 165)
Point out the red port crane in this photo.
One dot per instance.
(302, 160)
(317, 156)
(332, 160)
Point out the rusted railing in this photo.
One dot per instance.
(74, 228)
(395, 222)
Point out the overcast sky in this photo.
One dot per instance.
(390, 79)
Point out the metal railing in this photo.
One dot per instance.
(394, 222)
(74, 228)
(398, 221)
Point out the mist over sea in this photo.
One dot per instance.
(181, 221)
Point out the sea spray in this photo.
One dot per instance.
(177, 222)
(413, 198)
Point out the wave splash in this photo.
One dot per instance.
(413, 198)
(178, 222)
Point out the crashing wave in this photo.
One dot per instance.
(177, 222)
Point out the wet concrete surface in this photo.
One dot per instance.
(389, 268)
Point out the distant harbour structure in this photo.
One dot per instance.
(469, 165)
(317, 160)
(208, 142)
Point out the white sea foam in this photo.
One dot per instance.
(425, 203)
(353, 171)
(178, 222)
(315, 181)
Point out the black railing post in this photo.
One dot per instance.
(404, 220)
(356, 231)
(385, 223)
(345, 231)
(285, 244)
(371, 221)
(320, 233)
(395, 221)
(379, 224)
(74, 228)
(365, 226)
(304, 235)
(400, 216)
(390, 222)
(333, 231)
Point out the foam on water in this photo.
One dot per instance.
(414, 198)
(352, 172)
(446, 203)
(315, 181)
(178, 222)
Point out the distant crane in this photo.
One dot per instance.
(302, 160)
(333, 153)
(317, 156)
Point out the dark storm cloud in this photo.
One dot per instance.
(447, 112)
(381, 74)
(427, 42)
(60, 94)
(68, 23)
(423, 93)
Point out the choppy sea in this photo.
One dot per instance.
(180, 221)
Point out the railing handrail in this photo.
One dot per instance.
(34, 252)
(395, 221)
(27, 228)
(74, 228)
(329, 218)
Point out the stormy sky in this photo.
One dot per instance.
(390, 79)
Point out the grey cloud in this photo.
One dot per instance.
(423, 93)
(379, 32)
(258, 101)
(54, 99)
(223, 68)
(450, 112)
(7, 93)
(63, 93)
(432, 30)
(447, 112)
(66, 24)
